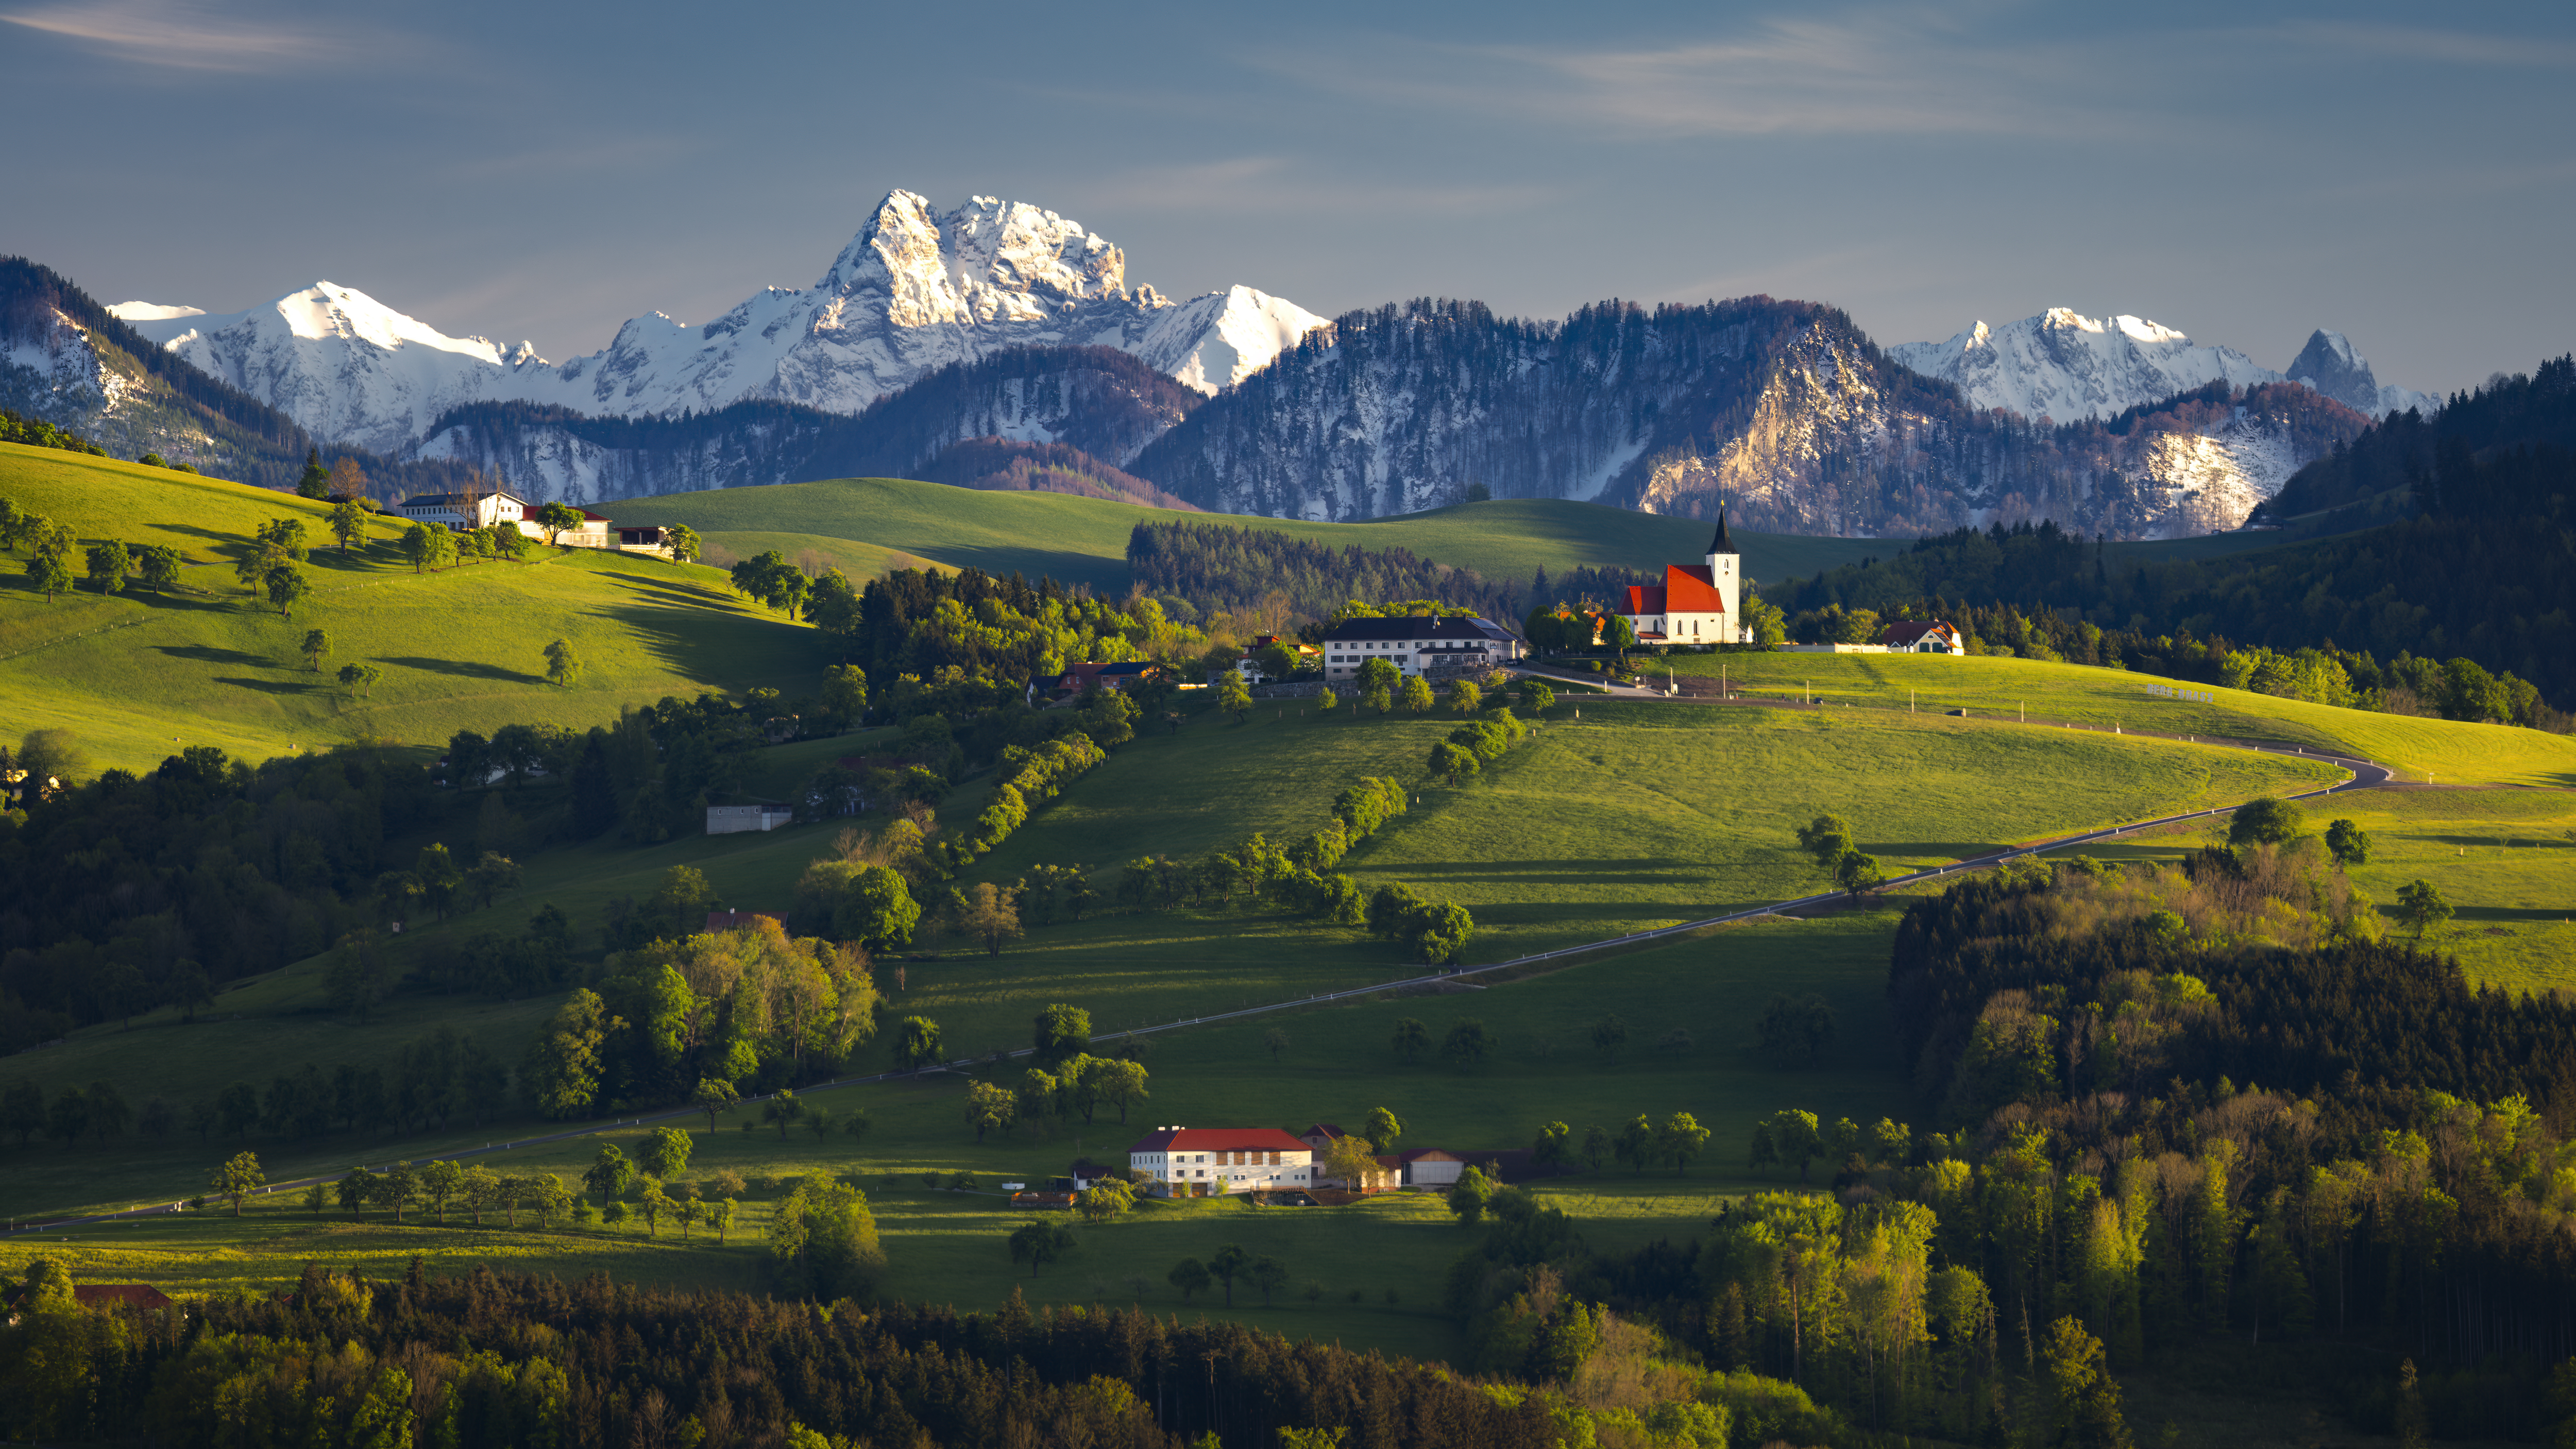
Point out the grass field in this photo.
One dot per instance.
(2505, 858)
(137, 675)
(1681, 817)
(1084, 540)
(949, 1246)
(2450, 752)
(1637, 814)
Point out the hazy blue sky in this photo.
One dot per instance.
(2243, 172)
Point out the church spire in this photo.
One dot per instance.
(1721, 543)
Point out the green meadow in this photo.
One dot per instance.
(2445, 750)
(868, 524)
(137, 675)
(1336, 1064)
(1084, 540)
(2505, 858)
(1633, 816)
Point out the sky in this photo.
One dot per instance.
(2242, 172)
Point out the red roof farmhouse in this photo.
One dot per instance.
(1214, 1161)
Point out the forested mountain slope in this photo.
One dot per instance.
(1782, 411)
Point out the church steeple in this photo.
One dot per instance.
(1721, 543)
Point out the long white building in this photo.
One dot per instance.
(1214, 1161)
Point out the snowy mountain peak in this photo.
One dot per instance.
(2063, 365)
(915, 290)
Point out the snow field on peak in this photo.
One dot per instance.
(2064, 366)
(915, 290)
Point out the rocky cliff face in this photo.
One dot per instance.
(1782, 411)
(913, 292)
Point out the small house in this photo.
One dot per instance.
(735, 819)
(1428, 1167)
(1922, 636)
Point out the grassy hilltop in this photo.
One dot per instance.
(137, 675)
(863, 524)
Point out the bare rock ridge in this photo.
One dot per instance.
(914, 291)
(1782, 410)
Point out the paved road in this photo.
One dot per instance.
(2363, 775)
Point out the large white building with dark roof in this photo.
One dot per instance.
(1450, 645)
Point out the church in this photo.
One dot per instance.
(1697, 603)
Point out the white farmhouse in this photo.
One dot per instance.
(1442, 648)
(1214, 1161)
(465, 512)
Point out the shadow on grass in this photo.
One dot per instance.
(465, 668)
(1938, 849)
(210, 654)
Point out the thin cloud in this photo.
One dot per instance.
(1869, 74)
(1271, 185)
(2453, 47)
(183, 36)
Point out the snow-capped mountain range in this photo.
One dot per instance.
(2067, 367)
(912, 292)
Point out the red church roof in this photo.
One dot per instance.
(1690, 590)
(1220, 1139)
(1687, 589)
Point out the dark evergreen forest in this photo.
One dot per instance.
(2485, 569)
(1227, 566)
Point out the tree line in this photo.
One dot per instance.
(456, 1360)
(1231, 567)
(426, 1083)
(2473, 567)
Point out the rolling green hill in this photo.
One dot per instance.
(137, 675)
(1084, 540)
(2441, 751)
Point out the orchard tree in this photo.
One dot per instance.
(48, 575)
(683, 542)
(713, 1096)
(239, 1178)
(2423, 906)
(1412, 1039)
(109, 565)
(158, 566)
(348, 524)
(563, 666)
(317, 643)
(287, 586)
(2349, 843)
(1232, 697)
(1417, 695)
(2266, 821)
(917, 1044)
(359, 678)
